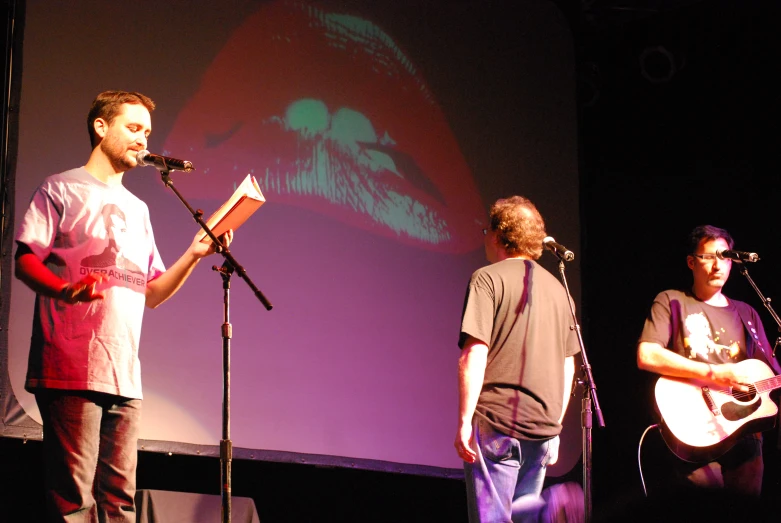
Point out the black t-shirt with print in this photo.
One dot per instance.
(698, 331)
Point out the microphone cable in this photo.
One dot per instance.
(639, 462)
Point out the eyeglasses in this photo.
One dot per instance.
(709, 257)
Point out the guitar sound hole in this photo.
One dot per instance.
(744, 397)
(738, 411)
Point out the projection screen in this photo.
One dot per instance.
(379, 133)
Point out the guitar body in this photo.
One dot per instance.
(700, 423)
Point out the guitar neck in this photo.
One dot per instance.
(768, 384)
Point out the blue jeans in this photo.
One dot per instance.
(90, 455)
(507, 477)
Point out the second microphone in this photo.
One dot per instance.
(558, 249)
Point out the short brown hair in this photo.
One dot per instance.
(518, 225)
(107, 106)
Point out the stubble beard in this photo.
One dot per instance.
(117, 155)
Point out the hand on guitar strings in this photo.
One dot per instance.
(729, 375)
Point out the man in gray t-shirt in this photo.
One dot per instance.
(86, 247)
(516, 367)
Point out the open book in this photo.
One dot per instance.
(244, 201)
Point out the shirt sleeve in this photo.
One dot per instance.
(761, 346)
(156, 266)
(658, 324)
(39, 224)
(478, 317)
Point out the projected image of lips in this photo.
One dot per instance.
(328, 113)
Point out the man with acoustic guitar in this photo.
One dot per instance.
(713, 391)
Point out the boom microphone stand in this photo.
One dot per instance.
(230, 265)
(766, 302)
(771, 358)
(589, 391)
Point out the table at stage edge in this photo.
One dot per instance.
(163, 506)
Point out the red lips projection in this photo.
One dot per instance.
(327, 112)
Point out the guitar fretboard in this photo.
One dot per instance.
(768, 384)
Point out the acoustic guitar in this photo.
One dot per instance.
(701, 422)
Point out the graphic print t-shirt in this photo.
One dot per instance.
(78, 225)
(694, 329)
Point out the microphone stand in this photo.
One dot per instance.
(589, 399)
(766, 302)
(229, 266)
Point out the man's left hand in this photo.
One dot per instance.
(201, 249)
(463, 443)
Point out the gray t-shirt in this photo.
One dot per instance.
(698, 331)
(520, 311)
(78, 225)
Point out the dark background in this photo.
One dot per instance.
(658, 159)
(661, 151)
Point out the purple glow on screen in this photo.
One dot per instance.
(375, 201)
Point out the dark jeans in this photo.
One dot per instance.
(90, 455)
(740, 469)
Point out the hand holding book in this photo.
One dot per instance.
(245, 200)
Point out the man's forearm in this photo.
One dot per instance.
(30, 270)
(655, 358)
(166, 285)
(471, 372)
(569, 373)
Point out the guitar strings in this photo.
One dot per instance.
(759, 388)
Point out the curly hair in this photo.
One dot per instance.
(708, 232)
(518, 226)
(107, 106)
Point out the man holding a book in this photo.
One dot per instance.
(86, 247)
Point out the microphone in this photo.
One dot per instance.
(558, 249)
(740, 256)
(163, 163)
